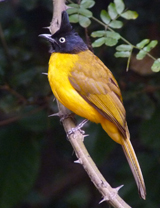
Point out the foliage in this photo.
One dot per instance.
(80, 13)
(36, 161)
(114, 11)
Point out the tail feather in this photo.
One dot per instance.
(134, 165)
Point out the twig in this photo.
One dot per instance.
(13, 92)
(76, 139)
(58, 7)
(109, 194)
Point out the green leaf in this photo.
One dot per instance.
(113, 35)
(124, 47)
(98, 42)
(84, 21)
(150, 46)
(141, 54)
(74, 18)
(142, 43)
(116, 24)
(156, 65)
(19, 162)
(123, 54)
(105, 17)
(85, 12)
(98, 33)
(110, 41)
(72, 10)
(87, 4)
(73, 5)
(129, 15)
(112, 11)
(119, 6)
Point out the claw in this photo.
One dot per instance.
(78, 128)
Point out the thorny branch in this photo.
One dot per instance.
(76, 139)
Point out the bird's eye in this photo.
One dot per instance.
(62, 40)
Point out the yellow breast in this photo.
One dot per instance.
(60, 66)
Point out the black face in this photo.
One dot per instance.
(65, 40)
(67, 43)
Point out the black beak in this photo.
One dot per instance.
(51, 40)
(48, 37)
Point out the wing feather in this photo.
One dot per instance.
(96, 84)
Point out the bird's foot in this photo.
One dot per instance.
(77, 128)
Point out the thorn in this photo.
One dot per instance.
(118, 188)
(46, 27)
(55, 114)
(78, 161)
(104, 199)
(45, 73)
(85, 135)
(68, 7)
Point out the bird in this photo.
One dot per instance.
(84, 85)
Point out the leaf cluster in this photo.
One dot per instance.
(80, 13)
(109, 37)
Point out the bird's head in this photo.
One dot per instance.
(65, 40)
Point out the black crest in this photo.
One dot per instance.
(65, 25)
(65, 40)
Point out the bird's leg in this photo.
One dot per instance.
(72, 130)
(77, 128)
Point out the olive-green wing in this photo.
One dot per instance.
(96, 84)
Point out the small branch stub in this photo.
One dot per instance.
(58, 7)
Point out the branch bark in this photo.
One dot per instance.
(58, 7)
(109, 194)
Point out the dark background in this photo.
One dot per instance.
(37, 167)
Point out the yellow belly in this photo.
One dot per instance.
(60, 66)
(59, 69)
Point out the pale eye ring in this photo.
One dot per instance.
(62, 40)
